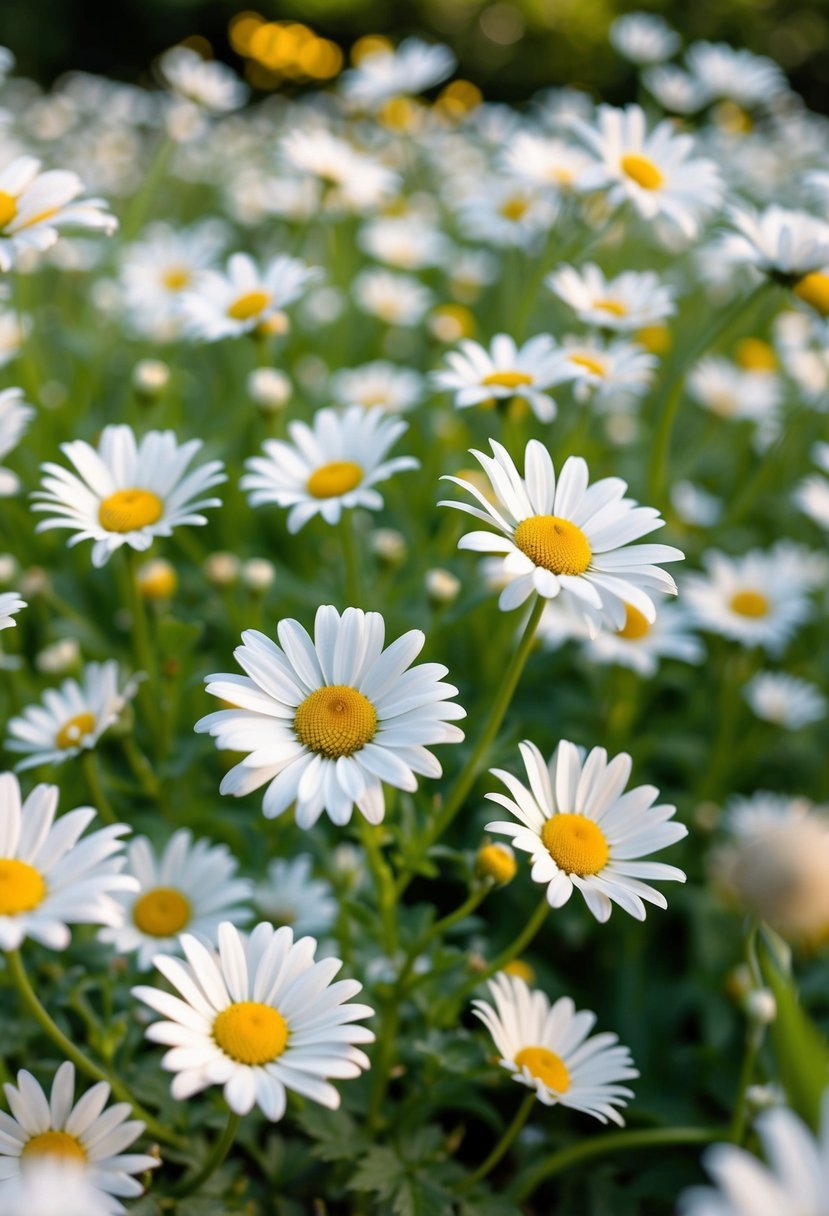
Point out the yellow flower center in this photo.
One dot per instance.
(507, 379)
(162, 912)
(176, 278)
(755, 355)
(336, 721)
(251, 1033)
(749, 603)
(554, 543)
(8, 208)
(515, 209)
(576, 844)
(55, 1144)
(636, 624)
(496, 862)
(615, 307)
(249, 305)
(655, 338)
(76, 729)
(590, 363)
(21, 887)
(330, 480)
(814, 289)
(642, 171)
(545, 1066)
(129, 510)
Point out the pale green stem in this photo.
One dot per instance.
(215, 1159)
(351, 561)
(384, 882)
(89, 761)
(504, 1144)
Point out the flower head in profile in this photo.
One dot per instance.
(326, 721)
(10, 605)
(726, 73)
(15, 416)
(352, 180)
(475, 374)
(583, 831)
(207, 83)
(36, 207)
(380, 384)
(128, 491)
(291, 895)
(258, 1017)
(644, 38)
(87, 1137)
(791, 247)
(331, 466)
(641, 645)
(785, 700)
(545, 1047)
(625, 303)
(389, 72)
(244, 297)
(49, 877)
(564, 536)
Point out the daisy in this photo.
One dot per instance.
(728, 391)
(475, 374)
(53, 1186)
(258, 1017)
(209, 84)
(385, 73)
(675, 89)
(790, 246)
(608, 371)
(405, 242)
(72, 718)
(509, 212)
(244, 297)
(86, 1133)
(581, 830)
(544, 161)
(379, 384)
(812, 498)
(567, 536)
(641, 644)
(326, 722)
(724, 73)
(290, 895)
(655, 172)
(394, 299)
(157, 270)
(15, 416)
(128, 491)
(331, 466)
(785, 700)
(794, 1183)
(545, 1047)
(748, 816)
(643, 38)
(35, 207)
(14, 330)
(352, 181)
(49, 878)
(191, 885)
(625, 303)
(10, 605)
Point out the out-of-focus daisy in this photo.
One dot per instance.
(158, 269)
(643, 38)
(608, 371)
(352, 181)
(331, 466)
(544, 161)
(259, 1017)
(52, 1186)
(86, 1133)
(15, 416)
(244, 297)
(546, 1048)
(758, 599)
(724, 73)
(380, 384)
(694, 505)
(395, 299)
(748, 815)
(510, 213)
(128, 491)
(10, 605)
(676, 90)
(191, 886)
(626, 303)
(290, 895)
(36, 207)
(405, 242)
(727, 390)
(470, 270)
(326, 722)
(72, 718)
(641, 645)
(567, 536)
(49, 877)
(785, 700)
(812, 497)
(409, 69)
(582, 830)
(654, 171)
(784, 244)
(209, 84)
(475, 374)
(14, 329)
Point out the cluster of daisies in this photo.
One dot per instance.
(395, 290)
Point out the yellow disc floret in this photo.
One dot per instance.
(553, 543)
(248, 306)
(642, 171)
(497, 862)
(162, 912)
(755, 355)
(251, 1033)
(176, 278)
(506, 379)
(8, 208)
(590, 363)
(514, 209)
(749, 603)
(55, 1144)
(331, 480)
(576, 844)
(129, 510)
(76, 729)
(615, 307)
(21, 887)
(814, 289)
(636, 624)
(335, 721)
(545, 1066)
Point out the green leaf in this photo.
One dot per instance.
(335, 1134)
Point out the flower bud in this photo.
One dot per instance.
(269, 389)
(222, 569)
(258, 574)
(150, 378)
(496, 861)
(156, 579)
(442, 586)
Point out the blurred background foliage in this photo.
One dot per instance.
(509, 48)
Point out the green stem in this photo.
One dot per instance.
(215, 1159)
(21, 981)
(754, 1037)
(475, 897)
(603, 1146)
(141, 200)
(351, 562)
(504, 1144)
(89, 760)
(140, 628)
(384, 882)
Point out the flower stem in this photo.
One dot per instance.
(384, 882)
(351, 562)
(504, 1144)
(89, 760)
(215, 1159)
(754, 1037)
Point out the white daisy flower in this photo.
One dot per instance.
(566, 536)
(627, 302)
(509, 212)
(191, 886)
(395, 299)
(643, 38)
(35, 207)
(14, 330)
(726, 74)
(127, 492)
(244, 297)
(380, 384)
(654, 171)
(729, 391)
(353, 181)
(15, 416)
(330, 467)
(641, 644)
(411, 68)
(542, 160)
(475, 374)
(290, 895)
(785, 700)
(209, 84)
(676, 90)
(750, 815)
(159, 268)
(52, 1186)
(10, 605)
(87, 1134)
(608, 371)
(259, 1017)
(405, 242)
(794, 1183)
(812, 498)
(582, 830)
(758, 599)
(784, 244)
(469, 271)
(72, 718)
(49, 878)
(546, 1048)
(326, 722)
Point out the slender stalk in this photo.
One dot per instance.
(504, 1144)
(144, 656)
(22, 983)
(89, 761)
(215, 1159)
(384, 882)
(475, 897)
(141, 200)
(351, 562)
(754, 1037)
